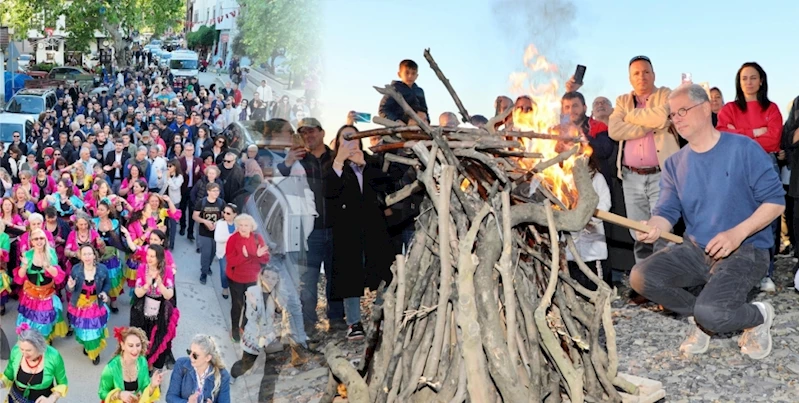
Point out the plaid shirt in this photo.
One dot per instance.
(316, 170)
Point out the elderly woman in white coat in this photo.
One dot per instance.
(590, 242)
(224, 229)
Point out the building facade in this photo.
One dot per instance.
(220, 13)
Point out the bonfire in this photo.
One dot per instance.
(482, 307)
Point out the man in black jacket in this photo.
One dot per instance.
(114, 164)
(316, 159)
(232, 175)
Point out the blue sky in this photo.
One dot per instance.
(478, 47)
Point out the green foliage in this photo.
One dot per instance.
(202, 38)
(42, 67)
(115, 18)
(22, 15)
(290, 26)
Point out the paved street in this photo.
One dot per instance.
(202, 309)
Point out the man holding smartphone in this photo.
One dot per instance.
(316, 159)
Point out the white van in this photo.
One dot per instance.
(184, 64)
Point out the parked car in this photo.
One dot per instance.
(31, 102)
(71, 74)
(12, 122)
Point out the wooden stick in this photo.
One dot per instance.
(403, 193)
(452, 131)
(480, 145)
(504, 268)
(572, 375)
(634, 225)
(402, 160)
(492, 124)
(440, 74)
(478, 383)
(445, 289)
(357, 392)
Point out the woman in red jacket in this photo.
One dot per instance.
(754, 116)
(245, 252)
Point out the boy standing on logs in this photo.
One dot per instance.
(412, 93)
(727, 192)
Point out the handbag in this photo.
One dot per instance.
(151, 307)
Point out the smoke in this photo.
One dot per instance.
(548, 24)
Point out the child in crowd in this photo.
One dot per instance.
(412, 93)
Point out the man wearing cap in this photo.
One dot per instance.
(640, 123)
(317, 160)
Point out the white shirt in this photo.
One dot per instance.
(265, 92)
(591, 242)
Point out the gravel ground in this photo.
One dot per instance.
(648, 344)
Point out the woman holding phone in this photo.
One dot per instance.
(362, 252)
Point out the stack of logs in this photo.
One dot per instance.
(482, 307)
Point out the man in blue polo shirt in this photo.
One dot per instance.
(724, 187)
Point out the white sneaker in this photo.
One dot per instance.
(796, 278)
(756, 342)
(766, 285)
(697, 341)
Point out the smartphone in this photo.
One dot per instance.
(363, 117)
(579, 73)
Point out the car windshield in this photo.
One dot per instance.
(26, 104)
(7, 131)
(183, 64)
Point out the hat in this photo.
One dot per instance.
(308, 122)
(639, 57)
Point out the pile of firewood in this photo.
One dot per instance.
(482, 307)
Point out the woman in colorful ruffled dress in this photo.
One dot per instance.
(5, 279)
(9, 214)
(153, 311)
(87, 312)
(35, 371)
(59, 230)
(100, 190)
(108, 228)
(22, 199)
(35, 221)
(161, 208)
(43, 184)
(126, 378)
(138, 196)
(134, 175)
(39, 272)
(65, 201)
(139, 227)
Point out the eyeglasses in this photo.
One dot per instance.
(37, 239)
(16, 136)
(229, 161)
(228, 213)
(56, 154)
(192, 354)
(220, 142)
(682, 111)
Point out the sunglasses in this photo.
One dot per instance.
(191, 354)
(229, 161)
(228, 213)
(37, 239)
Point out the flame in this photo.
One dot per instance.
(465, 184)
(542, 85)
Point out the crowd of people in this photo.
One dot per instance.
(93, 198)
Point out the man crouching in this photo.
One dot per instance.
(724, 187)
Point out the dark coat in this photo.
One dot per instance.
(362, 252)
(414, 96)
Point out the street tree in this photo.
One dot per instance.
(273, 28)
(118, 19)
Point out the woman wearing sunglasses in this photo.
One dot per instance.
(201, 377)
(38, 273)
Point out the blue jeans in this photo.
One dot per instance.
(320, 250)
(222, 274)
(352, 309)
(775, 225)
(641, 193)
(287, 296)
(207, 247)
(172, 228)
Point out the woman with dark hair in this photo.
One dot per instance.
(153, 312)
(753, 115)
(283, 109)
(89, 285)
(217, 148)
(362, 251)
(716, 103)
(108, 229)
